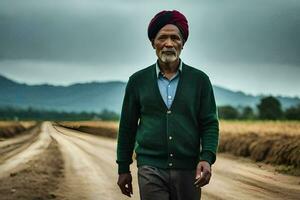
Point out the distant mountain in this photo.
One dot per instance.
(96, 96)
(77, 97)
(227, 97)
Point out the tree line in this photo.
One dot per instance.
(269, 108)
(13, 113)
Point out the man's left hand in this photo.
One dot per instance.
(203, 174)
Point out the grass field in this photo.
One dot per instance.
(275, 142)
(261, 127)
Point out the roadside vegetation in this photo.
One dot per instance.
(12, 128)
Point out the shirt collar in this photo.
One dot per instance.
(158, 69)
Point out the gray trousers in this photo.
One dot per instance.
(167, 184)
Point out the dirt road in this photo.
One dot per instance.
(88, 170)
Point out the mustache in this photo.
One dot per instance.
(169, 50)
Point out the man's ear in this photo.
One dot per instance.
(152, 43)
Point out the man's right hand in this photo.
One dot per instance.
(125, 184)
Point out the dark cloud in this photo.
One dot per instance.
(251, 32)
(67, 38)
(223, 31)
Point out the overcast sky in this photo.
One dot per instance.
(250, 46)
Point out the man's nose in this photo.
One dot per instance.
(169, 42)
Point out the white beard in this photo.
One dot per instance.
(168, 58)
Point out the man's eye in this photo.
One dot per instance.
(175, 38)
(162, 37)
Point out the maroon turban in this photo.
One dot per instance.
(168, 17)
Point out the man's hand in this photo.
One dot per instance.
(203, 174)
(124, 183)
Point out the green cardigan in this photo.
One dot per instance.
(175, 138)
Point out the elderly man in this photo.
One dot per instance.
(169, 118)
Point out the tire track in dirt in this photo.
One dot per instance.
(104, 142)
(240, 178)
(13, 146)
(16, 161)
(38, 180)
(96, 155)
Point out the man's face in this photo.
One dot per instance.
(168, 43)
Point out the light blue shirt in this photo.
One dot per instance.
(168, 87)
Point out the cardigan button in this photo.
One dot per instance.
(170, 164)
(169, 112)
(170, 138)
